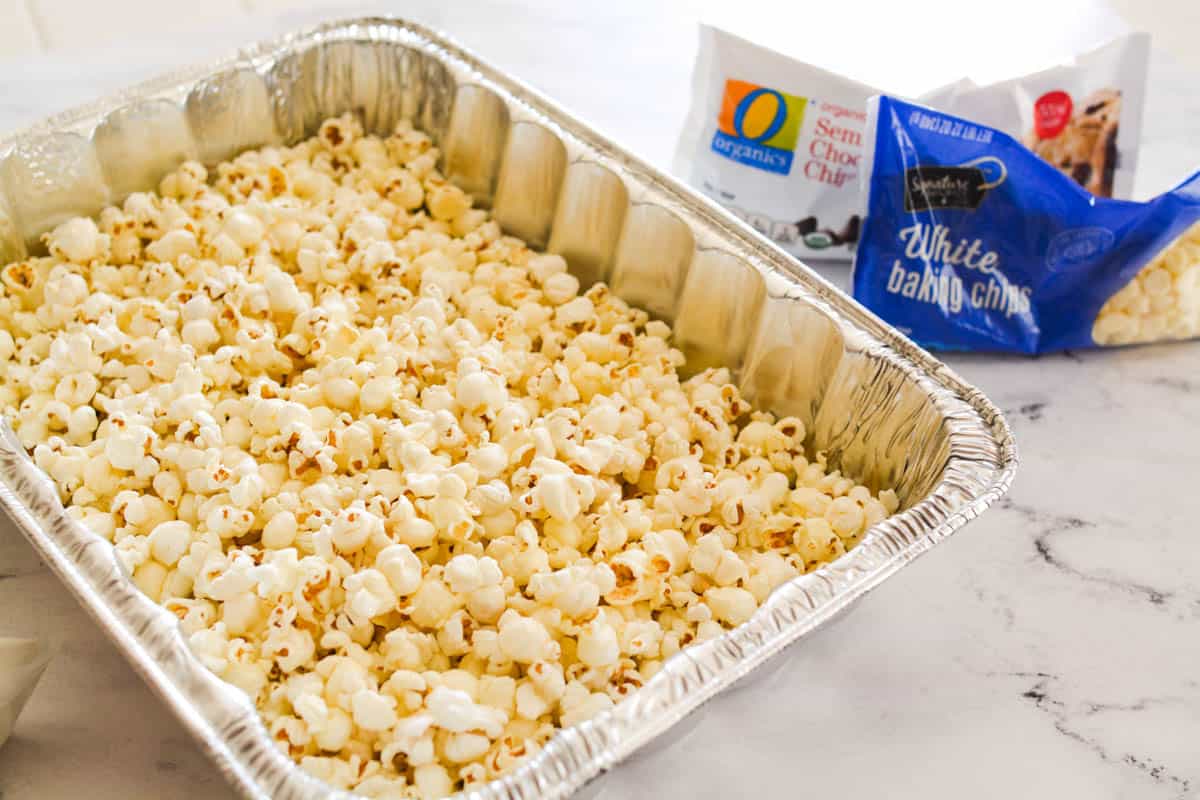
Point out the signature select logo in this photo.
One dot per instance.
(928, 186)
(758, 126)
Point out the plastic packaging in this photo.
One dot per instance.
(779, 142)
(972, 242)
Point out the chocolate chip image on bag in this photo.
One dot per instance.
(1084, 145)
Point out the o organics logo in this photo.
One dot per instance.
(758, 126)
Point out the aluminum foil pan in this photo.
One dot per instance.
(884, 410)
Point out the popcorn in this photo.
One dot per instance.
(280, 532)
(524, 640)
(455, 711)
(464, 574)
(241, 613)
(289, 649)
(125, 449)
(397, 478)
(433, 781)
(242, 227)
(373, 711)
(846, 516)
(149, 577)
(368, 594)
(77, 240)
(730, 604)
(584, 709)
(335, 734)
(556, 495)
(173, 245)
(560, 288)
(597, 644)
(432, 604)
(169, 541)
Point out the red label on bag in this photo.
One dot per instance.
(1051, 113)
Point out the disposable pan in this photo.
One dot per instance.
(881, 408)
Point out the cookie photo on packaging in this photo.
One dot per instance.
(1084, 117)
(1084, 144)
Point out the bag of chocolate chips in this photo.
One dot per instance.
(779, 142)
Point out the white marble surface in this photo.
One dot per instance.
(1049, 650)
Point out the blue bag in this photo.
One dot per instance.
(972, 242)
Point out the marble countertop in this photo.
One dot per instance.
(1049, 650)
